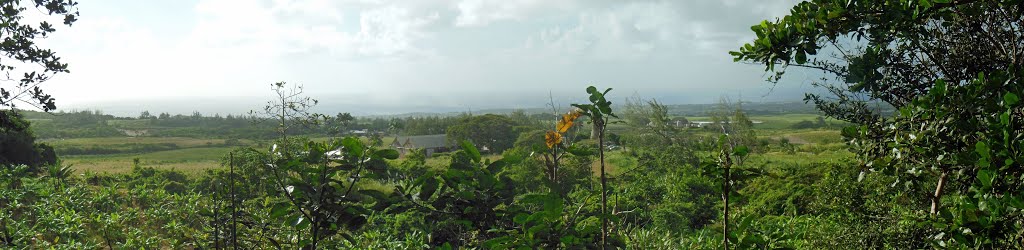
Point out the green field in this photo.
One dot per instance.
(189, 155)
(183, 142)
(190, 160)
(774, 121)
(194, 155)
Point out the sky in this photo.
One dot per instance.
(379, 57)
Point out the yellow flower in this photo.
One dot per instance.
(567, 120)
(552, 138)
(563, 125)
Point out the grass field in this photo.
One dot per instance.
(182, 142)
(191, 155)
(774, 121)
(189, 160)
(195, 155)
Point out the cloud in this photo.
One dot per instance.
(391, 30)
(398, 50)
(483, 12)
(295, 27)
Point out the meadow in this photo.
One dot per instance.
(193, 156)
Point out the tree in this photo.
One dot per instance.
(340, 123)
(289, 108)
(731, 120)
(650, 117)
(37, 64)
(494, 132)
(319, 183)
(951, 68)
(600, 112)
(17, 144)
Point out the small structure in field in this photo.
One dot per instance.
(429, 143)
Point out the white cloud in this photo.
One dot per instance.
(400, 49)
(391, 30)
(483, 12)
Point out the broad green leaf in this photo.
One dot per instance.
(388, 153)
(428, 189)
(353, 146)
(741, 151)
(521, 218)
(983, 151)
(986, 176)
(471, 150)
(279, 209)
(1011, 99)
(356, 222)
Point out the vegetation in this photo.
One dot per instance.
(952, 69)
(492, 132)
(19, 45)
(917, 145)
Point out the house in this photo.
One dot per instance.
(429, 143)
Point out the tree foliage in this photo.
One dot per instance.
(952, 68)
(494, 132)
(18, 145)
(19, 44)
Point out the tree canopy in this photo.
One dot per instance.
(19, 43)
(495, 132)
(953, 70)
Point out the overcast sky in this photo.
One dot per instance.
(398, 56)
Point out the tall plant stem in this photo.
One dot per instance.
(604, 183)
(234, 220)
(726, 189)
(937, 198)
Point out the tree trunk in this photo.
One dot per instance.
(725, 210)
(234, 212)
(604, 182)
(937, 198)
(554, 165)
(726, 162)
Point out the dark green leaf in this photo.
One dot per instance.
(428, 189)
(741, 151)
(279, 209)
(389, 154)
(353, 145)
(1011, 99)
(986, 176)
(471, 150)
